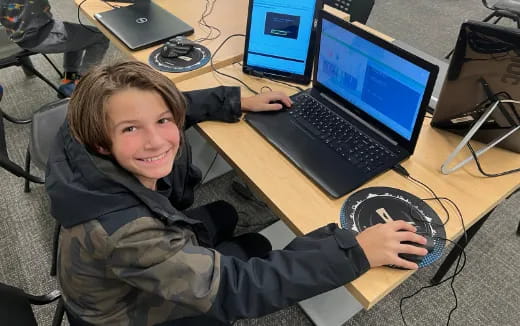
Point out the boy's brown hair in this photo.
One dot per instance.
(87, 115)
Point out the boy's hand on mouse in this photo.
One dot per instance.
(382, 244)
(265, 102)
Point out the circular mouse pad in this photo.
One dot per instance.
(376, 205)
(195, 59)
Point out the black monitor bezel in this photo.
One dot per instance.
(408, 145)
(302, 79)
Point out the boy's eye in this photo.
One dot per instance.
(164, 120)
(129, 129)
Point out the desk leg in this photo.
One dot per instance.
(518, 230)
(455, 252)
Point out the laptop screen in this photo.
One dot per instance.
(382, 84)
(280, 34)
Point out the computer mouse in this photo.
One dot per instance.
(176, 47)
(429, 246)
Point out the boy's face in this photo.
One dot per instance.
(145, 139)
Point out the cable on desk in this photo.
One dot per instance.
(223, 74)
(286, 84)
(208, 10)
(403, 172)
(267, 87)
(489, 175)
(79, 20)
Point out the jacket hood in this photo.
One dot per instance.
(83, 186)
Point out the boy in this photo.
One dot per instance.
(120, 180)
(30, 24)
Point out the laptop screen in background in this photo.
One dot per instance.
(382, 84)
(280, 34)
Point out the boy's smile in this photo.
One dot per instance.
(145, 139)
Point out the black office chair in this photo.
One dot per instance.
(46, 122)
(13, 55)
(16, 306)
(503, 8)
(358, 10)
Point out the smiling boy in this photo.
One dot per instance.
(120, 179)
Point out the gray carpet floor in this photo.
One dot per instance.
(488, 289)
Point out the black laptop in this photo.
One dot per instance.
(363, 114)
(143, 24)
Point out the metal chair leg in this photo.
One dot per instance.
(55, 243)
(42, 77)
(518, 229)
(53, 65)
(27, 187)
(58, 314)
(27, 62)
(489, 17)
(448, 55)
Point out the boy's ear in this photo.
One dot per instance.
(102, 150)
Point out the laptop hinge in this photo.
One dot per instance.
(363, 122)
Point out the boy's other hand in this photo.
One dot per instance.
(383, 242)
(268, 101)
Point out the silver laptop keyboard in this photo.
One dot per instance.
(339, 134)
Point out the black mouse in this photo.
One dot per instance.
(429, 246)
(176, 47)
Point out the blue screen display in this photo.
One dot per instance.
(382, 84)
(280, 33)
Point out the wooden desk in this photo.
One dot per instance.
(304, 207)
(230, 16)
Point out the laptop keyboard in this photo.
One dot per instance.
(339, 134)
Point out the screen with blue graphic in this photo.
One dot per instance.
(280, 34)
(386, 86)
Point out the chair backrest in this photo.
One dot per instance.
(45, 125)
(358, 10)
(15, 305)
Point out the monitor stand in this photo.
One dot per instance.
(513, 127)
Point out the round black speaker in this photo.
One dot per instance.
(195, 59)
(371, 206)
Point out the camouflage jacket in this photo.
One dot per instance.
(24, 18)
(129, 256)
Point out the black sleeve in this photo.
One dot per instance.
(220, 103)
(320, 261)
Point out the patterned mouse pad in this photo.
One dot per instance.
(196, 58)
(375, 205)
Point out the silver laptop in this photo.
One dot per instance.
(143, 24)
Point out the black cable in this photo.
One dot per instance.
(79, 20)
(287, 84)
(208, 10)
(479, 167)
(402, 171)
(223, 74)
(452, 278)
(269, 88)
